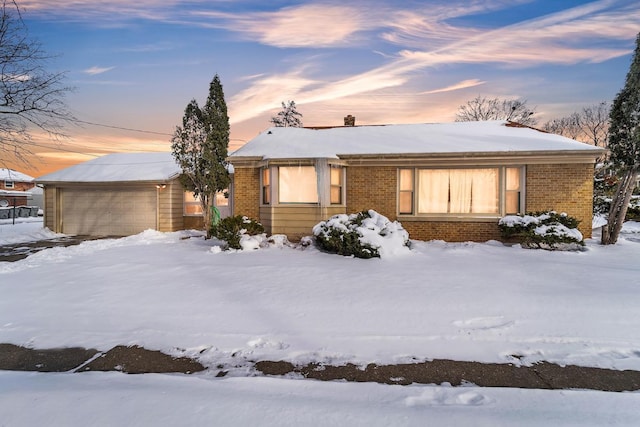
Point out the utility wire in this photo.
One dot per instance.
(137, 130)
(52, 147)
(122, 128)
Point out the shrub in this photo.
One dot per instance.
(365, 234)
(232, 228)
(543, 230)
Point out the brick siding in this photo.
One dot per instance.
(17, 186)
(246, 196)
(563, 188)
(372, 188)
(452, 231)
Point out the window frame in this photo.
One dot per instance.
(339, 185)
(502, 193)
(265, 185)
(411, 191)
(9, 185)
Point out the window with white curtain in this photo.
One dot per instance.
(297, 184)
(467, 191)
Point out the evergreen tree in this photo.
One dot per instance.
(624, 144)
(200, 148)
(288, 116)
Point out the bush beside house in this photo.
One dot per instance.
(543, 230)
(365, 234)
(233, 228)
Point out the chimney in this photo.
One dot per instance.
(349, 120)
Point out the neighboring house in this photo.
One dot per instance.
(15, 190)
(121, 194)
(12, 180)
(441, 181)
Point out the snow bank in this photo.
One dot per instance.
(24, 230)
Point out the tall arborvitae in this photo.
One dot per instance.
(624, 143)
(200, 148)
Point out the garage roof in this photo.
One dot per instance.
(118, 167)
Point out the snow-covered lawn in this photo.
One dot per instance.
(466, 301)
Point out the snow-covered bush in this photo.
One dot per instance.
(233, 228)
(543, 230)
(365, 234)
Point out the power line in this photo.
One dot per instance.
(137, 130)
(121, 128)
(52, 147)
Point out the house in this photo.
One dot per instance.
(15, 190)
(448, 181)
(122, 194)
(11, 180)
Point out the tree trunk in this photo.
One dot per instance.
(619, 206)
(207, 203)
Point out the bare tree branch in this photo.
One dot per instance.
(482, 108)
(30, 97)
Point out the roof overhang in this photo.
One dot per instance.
(104, 183)
(449, 159)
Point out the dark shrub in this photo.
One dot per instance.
(231, 228)
(543, 230)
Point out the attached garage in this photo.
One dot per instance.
(115, 195)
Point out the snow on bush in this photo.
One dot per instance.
(365, 234)
(543, 230)
(238, 232)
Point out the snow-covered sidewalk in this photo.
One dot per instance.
(114, 399)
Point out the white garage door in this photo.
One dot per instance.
(108, 212)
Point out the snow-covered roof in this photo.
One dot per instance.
(435, 138)
(12, 175)
(119, 167)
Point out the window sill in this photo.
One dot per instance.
(447, 218)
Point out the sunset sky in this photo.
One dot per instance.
(136, 64)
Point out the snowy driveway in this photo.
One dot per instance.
(17, 251)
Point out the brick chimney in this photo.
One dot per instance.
(349, 120)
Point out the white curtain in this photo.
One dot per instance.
(458, 191)
(297, 184)
(484, 194)
(433, 185)
(460, 183)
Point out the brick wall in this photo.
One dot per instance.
(563, 188)
(372, 188)
(17, 186)
(452, 231)
(246, 196)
